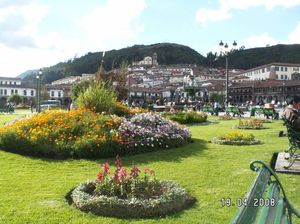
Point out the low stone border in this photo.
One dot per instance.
(173, 200)
(231, 142)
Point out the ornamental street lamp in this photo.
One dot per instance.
(38, 90)
(225, 51)
(99, 72)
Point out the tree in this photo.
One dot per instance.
(16, 99)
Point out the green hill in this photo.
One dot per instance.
(168, 53)
(246, 59)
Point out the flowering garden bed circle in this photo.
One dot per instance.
(173, 199)
(234, 142)
(249, 127)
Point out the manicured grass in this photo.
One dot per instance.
(32, 190)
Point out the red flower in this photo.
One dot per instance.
(135, 172)
(100, 177)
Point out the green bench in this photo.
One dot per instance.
(266, 201)
(7, 109)
(234, 111)
(270, 112)
(208, 109)
(294, 143)
(267, 112)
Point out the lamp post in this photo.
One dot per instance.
(129, 90)
(38, 90)
(225, 51)
(99, 72)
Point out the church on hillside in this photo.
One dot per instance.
(148, 61)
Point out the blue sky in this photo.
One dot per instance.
(41, 33)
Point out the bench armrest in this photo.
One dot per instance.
(257, 168)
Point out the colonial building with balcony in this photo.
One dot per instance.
(278, 71)
(264, 91)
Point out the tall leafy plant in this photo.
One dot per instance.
(98, 98)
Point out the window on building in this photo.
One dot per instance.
(25, 93)
(1, 91)
(263, 70)
(285, 77)
(59, 93)
(16, 91)
(52, 93)
(281, 69)
(276, 68)
(11, 92)
(285, 69)
(281, 76)
(276, 76)
(5, 92)
(15, 83)
(31, 93)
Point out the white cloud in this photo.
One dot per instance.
(115, 24)
(19, 24)
(112, 25)
(293, 37)
(265, 39)
(205, 15)
(227, 6)
(261, 40)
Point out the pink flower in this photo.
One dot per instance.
(120, 176)
(118, 162)
(105, 167)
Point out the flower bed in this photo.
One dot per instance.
(186, 117)
(130, 196)
(226, 117)
(250, 124)
(85, 134)
(236, 138)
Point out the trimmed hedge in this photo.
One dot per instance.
(173, 199)
(186, 117)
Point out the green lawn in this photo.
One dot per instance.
(32, 190)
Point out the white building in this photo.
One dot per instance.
(279, 71)
(67, 80)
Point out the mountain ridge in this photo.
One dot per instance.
(168, 54)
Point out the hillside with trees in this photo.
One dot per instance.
(249, 58)
(169, 54)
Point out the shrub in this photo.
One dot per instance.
(235, 138)
(226, 117)
(186, 117)
(128, 195)
(121, 109)
(98, 98)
